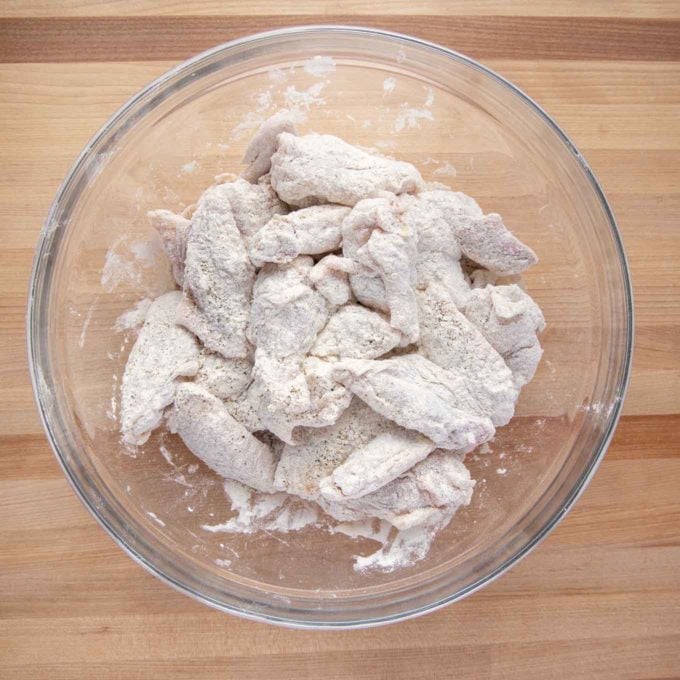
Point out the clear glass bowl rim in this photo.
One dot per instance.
(40, 282)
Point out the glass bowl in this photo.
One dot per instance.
(461, 124)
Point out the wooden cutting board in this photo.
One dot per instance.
(600, 598)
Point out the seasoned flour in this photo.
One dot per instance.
(338, 341)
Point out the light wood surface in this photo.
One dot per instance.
(600, 598)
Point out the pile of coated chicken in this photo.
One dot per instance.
(339, 332)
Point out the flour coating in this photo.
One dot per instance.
(344, 335)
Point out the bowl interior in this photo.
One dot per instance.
(459, 125)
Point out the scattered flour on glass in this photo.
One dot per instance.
(298, 102)
(280, 514)
(251, 121)
(118, 269)
(319, 66)
(304, 99)
(112, 411)
(277, 75)
(410, 118)
(167, 455)
(386, 144)
(262, 512)
(388, 86)
(134, 317)
(445, 170)
(190, 167)
(179, 474)
(45, 392)
(156, 518)
(146, 252)
(125, 263)
(86, 325)
(594, 407)
(429, 98)
(263, 100)
(398, 548)
(405, 548)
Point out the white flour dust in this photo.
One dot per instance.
(319, 66)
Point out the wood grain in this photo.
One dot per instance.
(322, 8)
(488, 37)
(598, 599)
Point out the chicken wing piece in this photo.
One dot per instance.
(388, 255)
(318, 451)
(487, 241)
(438, 257)
(356, 332)
(370, 467)
(482, 238)
(366, 216)
(309, 231)
(452, 204)
(421, 396)
(223, 444)
(162, 352)
(510, 321)
(292, 393)
(430, 491)
(324, 169)
(258, 155)
(383, 245)
(449, 340)
(225, 378)
(286, 316)
(218, 278)
(382, 212)
(172, 229)
(286, 313)
(330, 277)
(252, 205)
